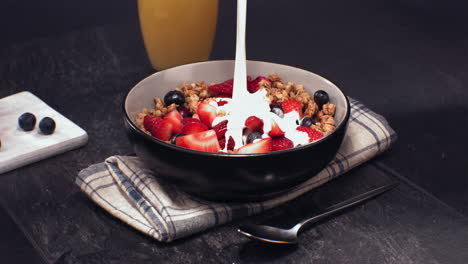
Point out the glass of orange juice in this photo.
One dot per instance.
(177, 32)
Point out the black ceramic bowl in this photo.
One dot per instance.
(227, 177)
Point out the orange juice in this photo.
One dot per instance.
(177, 32)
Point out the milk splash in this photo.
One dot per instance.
(244, 104)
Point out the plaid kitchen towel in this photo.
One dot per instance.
(122, 186)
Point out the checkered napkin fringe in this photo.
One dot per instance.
(122, 186)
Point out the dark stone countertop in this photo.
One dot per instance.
(406, 62)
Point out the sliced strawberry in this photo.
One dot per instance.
(202, 141)
(220, 129)
(280, 143)
(192, 127)
(313, 134)
(261, 146)
(230, 145)
(222, 102)
(255, 85)
(150, 121)
(187, 120)
(196, 116)
(254, 123)
(158, 127)
(224, 88)
(162, 130)
(275, 130)
(207, 113)
(292, 105)
(176, 120)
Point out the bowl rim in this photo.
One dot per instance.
(222, 154)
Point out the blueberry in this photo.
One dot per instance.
(321, 97)
(27, 121)
(174, 97)
(47, 125)
(306, 121)
(173, 140)
(253, 136)
(277, 109)
(184, 112)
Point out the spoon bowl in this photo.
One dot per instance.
(270, 234)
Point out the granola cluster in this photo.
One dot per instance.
(277, 91)
(281, 91)
(324, 120)
(194, 93)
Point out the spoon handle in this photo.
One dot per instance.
(346, 204)
(240, 68)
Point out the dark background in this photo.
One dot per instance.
(406, 59)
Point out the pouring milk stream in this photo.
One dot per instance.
(244, 104)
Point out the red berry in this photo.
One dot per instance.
(149, 121)
(206, 112)
(192, 126)
(220, 129)
(280, 143)
(224, 88)
(202, 141)
(175, 118)
(275, 130)
(292, 105)
(261, 146)
(274, 103)
(254, 123)
(162, 130)
(313, 134)
(222, 102)
(230, 145)
(158, 127)
(255, 85)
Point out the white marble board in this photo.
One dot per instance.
(18, 147)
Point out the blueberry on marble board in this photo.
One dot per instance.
(27, 121)
(47, 125)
